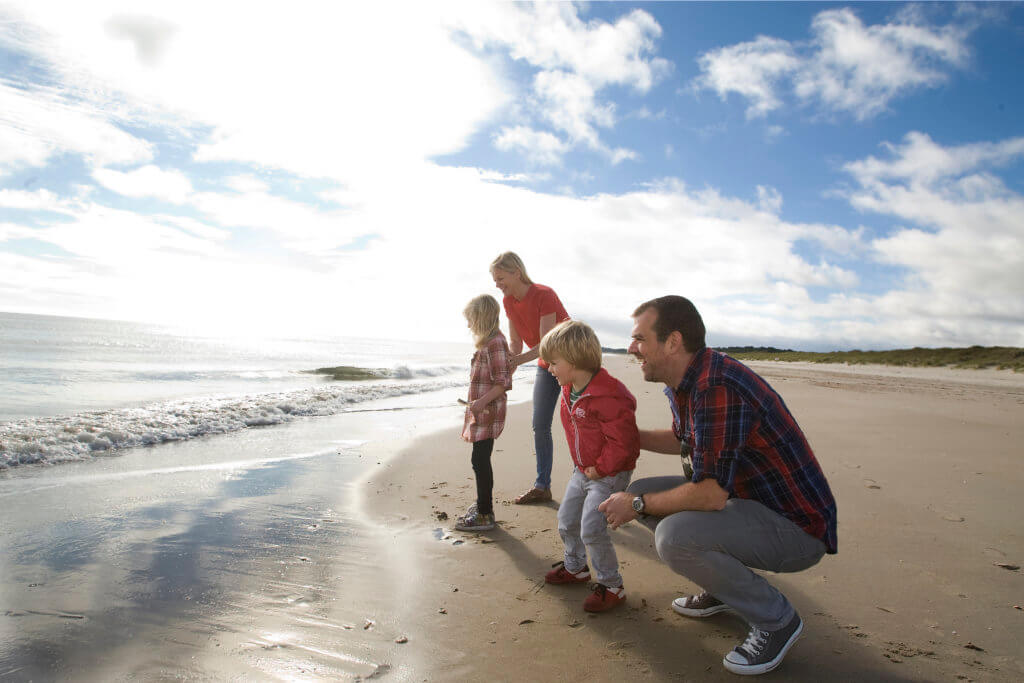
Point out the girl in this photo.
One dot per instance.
(489, 379)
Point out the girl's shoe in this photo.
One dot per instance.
(475, 521)
(604, 598)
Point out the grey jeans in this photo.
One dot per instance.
(584, 529)
(716, 549)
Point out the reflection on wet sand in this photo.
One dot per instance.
(244, 569)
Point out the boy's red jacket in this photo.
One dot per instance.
(601, 426)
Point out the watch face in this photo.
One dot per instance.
(638, 504)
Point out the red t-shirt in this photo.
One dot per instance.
(525, 315)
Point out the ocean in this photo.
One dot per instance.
(72, 389)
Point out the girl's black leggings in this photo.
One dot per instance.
(484, 475)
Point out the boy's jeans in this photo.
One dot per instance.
(584, 529)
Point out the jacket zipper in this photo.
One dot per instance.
(575, 431)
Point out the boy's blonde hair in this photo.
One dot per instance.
(511, 263)
(574, 342)
(482, 315)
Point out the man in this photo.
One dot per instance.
(756, 498)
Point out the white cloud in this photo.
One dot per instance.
(845, 67)
(921, 160)
(859, 69)
(497, 176)
(246, 183)
(324, 97)
(769, 199)
(21, 199)
(37, 124)
(575, 61)
(298, 226)
(146, 181)
(751, 70)
(538, 146)
(964, 252)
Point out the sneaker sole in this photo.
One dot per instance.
(700, 613)
(604, 607)
(567, 583)
(758, 669)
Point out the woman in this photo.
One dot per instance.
(532, 311)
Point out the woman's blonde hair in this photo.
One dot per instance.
(482, 315)
(511, 263)
(574, 342)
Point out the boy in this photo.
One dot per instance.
(599, 417)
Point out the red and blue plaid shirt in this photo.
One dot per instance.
(742, 435)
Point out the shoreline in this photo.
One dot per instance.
(915, 592)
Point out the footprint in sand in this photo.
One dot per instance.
(871, 484)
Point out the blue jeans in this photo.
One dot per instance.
(545, 400)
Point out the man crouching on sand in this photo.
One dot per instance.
(757, 496)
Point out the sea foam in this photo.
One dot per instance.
(51, 440)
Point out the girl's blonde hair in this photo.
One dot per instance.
(511, 263)
(482, 315)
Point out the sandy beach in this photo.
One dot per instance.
(282, 553)
(924, 464)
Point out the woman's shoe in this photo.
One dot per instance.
(534, 495)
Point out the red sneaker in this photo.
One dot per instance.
(604, 598)
(560, 575)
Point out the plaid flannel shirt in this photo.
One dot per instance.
(742, 435)
(489, 368)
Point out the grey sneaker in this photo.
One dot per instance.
(475, 522)
(762, 651)
(701, 605)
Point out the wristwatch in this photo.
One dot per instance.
(638, 504)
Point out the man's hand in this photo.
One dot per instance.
(591, 473)
(618, 509)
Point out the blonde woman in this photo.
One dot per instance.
(532, 311)
(489, 379)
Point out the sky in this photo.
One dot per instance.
(816, 176)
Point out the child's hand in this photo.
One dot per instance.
(591, 473)
(478, 408)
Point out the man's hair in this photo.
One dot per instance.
(510, 262)
(574, 342)
(482, 315)
(676, 314)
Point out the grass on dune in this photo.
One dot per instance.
(972, 357)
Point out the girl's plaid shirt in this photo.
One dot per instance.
(489, 368)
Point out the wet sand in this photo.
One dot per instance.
(926, 468)
(236, 557)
